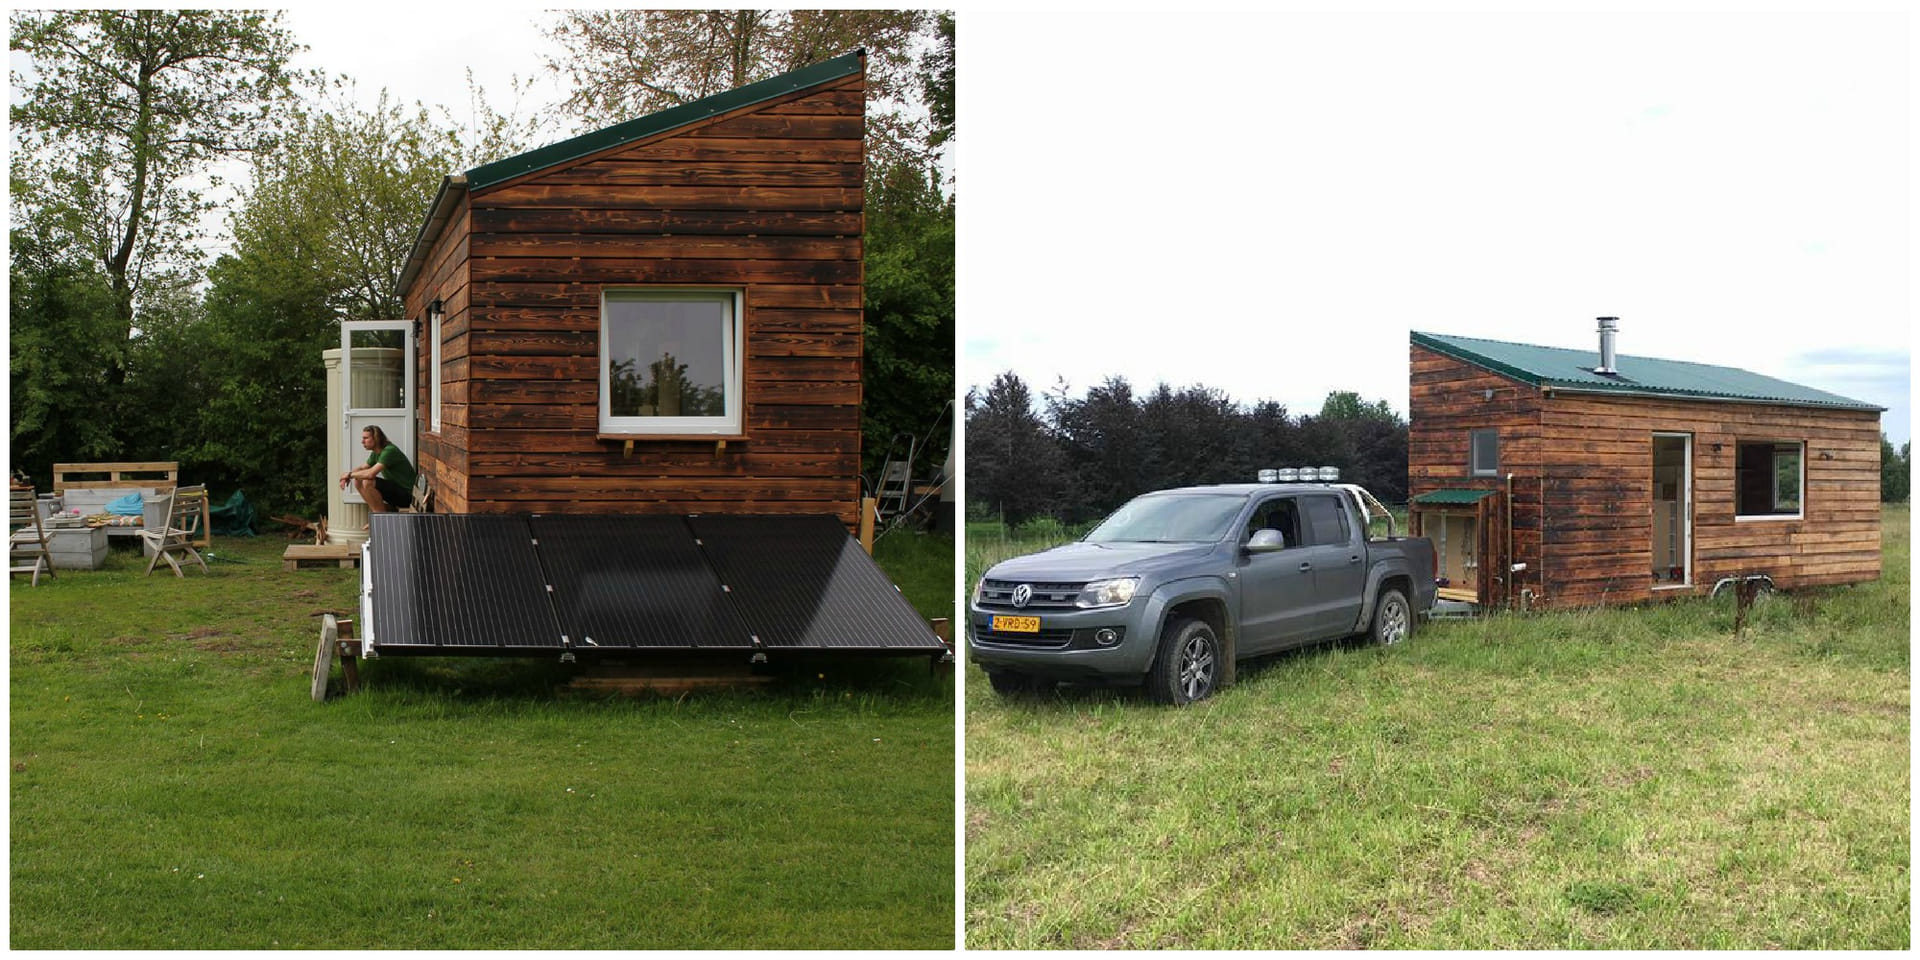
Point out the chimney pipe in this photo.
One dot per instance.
(1608, 327)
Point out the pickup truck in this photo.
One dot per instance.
(1176, 586)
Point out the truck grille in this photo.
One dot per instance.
(1054, 596)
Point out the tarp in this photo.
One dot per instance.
(234, 518)
(128, 506)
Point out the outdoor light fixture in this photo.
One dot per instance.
(435, 311)
(1269, 476)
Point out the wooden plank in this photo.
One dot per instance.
(771, 149)
(845, 296)
(763, 124)
(602, 271)
(548, 245)
(787, 344)
(678, 197)
(707, 173)
(691, 489)
(650, 460)
(557, 343)
(514, 439)
(769, 223)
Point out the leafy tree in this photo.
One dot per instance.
(61, 342)
(120, 112)
(622, 64)
(1896, 471)
(937, 81)
(909, 311)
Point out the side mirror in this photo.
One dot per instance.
(1266, 541)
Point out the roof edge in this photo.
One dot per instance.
(499, 171)
(452, 188)
(1431, 342)
(1561, 386)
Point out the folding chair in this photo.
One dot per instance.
(186, 525)
(26, 538)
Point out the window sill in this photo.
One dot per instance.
(670, 437)
(1762, 517)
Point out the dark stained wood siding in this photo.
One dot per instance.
(1447, 399)
(766, 200)
(1599, 453)
(442, 456)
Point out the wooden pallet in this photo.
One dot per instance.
(326, 555)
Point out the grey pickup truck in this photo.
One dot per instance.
(1178, 585)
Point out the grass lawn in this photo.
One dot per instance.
(174, 785)
(1635, 778)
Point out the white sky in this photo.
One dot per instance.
(1267, 203)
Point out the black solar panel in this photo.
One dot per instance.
(802, 582)
(635, 581)
(467, 583)
(459, 581)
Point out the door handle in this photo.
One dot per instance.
(1306, 566)
(1353, 559)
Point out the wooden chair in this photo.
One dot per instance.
(186, 526)
(26, 538)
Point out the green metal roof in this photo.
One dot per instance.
(1572, 371)
(486, 175)
(1453, 496)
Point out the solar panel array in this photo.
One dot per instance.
(464, 583)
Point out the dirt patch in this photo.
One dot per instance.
(304, 594)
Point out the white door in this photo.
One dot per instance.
(376, 366)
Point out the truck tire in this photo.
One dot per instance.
(1187, 665)
(1010, 684)
(1392, 618)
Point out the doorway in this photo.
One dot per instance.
(1672, 510)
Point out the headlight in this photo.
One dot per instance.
(1107, 593)
(979, 587)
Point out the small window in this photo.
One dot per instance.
(670, 362)
(1483, 459)
(1769, 479)
(434, 365)
(1327, 523)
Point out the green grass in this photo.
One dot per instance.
(1635, 778)
(174, 785)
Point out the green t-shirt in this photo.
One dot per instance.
(398, 469)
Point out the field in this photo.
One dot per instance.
(174, 785)
(1638, 778)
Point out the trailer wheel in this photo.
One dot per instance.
(1188, 664)
(1392, 619)
(323, 657)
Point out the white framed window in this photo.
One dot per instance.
(1483, 454)
(433, 364)
(671, 361)
(1769, 479)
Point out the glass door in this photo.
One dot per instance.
(376, 364)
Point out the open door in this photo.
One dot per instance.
(376, 364)
(1672, 510)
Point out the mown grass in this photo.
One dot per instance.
(174, 786)
(1634, 778)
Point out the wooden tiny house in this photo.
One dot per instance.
(1649, 478)
(661, 316)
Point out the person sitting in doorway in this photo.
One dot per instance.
(386, 482)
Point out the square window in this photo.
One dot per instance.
(1769, 479)
(670, 362)
(1483, 457)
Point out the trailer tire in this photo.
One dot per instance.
(1187, 666)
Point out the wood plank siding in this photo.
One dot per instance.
(1583, 497)
(1600, 498)
(1447, 400)
(766, 200)
(442, 456)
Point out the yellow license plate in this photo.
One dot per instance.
(1016, 624)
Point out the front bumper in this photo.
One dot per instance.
(1065, 647)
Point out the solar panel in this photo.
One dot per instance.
(635, 581)
(493, 584)
(802, 582)
(456, 581)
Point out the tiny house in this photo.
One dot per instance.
(663, 316)
(1555, 477)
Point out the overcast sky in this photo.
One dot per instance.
(1268, 203)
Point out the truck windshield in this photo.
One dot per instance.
(1187, 518)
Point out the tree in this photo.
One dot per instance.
(1896, 471)
(1014, 466)
(622, 64)
(122, 109)
(60, 321)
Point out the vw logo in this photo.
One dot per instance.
(1022, 595)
